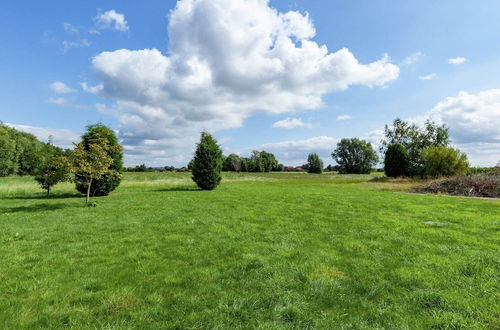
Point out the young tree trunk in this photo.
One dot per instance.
(88, 192)
(48, 191)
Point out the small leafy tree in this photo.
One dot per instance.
(207, 163)
(105, 184)
(354, 156)
(54, 171)
(314, 164)
(443, 161)
(396, 160)
(92, 161)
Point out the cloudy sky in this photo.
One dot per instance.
(290, 77)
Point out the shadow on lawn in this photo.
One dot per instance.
(34, 208)
(44, 196)
(179, 188)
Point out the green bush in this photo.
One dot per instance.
(396, 161)
(52, 172)
(444, 161)
(354, 156)
(232, 163)
(107, 183)
(314, 164)
(415, 139)
(207, 163)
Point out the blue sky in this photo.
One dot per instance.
(159, 109)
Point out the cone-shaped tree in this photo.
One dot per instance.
(396, 161)
(207, 163)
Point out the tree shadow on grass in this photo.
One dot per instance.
(34, 208)
(44, 196)
(179, 188)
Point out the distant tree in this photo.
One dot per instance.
(169, 168)
(232, 163)
(354, 156)
(52, 172)
(262, 161)
(207, 163)
(444, 161)
(415, 139)
(314, 164)
(99, 133)
(245, 164)
(92, 162)
(396, 160)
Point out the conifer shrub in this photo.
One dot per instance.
(207, 163)
(396, 161)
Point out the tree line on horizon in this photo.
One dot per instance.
(96, 163)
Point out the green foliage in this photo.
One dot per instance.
(444, 161)
(415, 139)
(22, 153)
(396, 160)
(92, 162)
(207, 163)
(262, 161)
(355, 156)
(52, 172)
(314, 164)
(107, 183)
(232, 163)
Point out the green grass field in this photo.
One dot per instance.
(263, 251)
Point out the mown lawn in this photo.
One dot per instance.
(262, 251)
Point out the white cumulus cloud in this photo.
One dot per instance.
(111, 20)
(471, 117)
(227, 60)
(289, 123)
(61, 88)
(457, 60)
(474, 124)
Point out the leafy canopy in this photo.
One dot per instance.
(414, 139)
(354, 156)
(92, 162)
(314, 164)
(443, 161)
